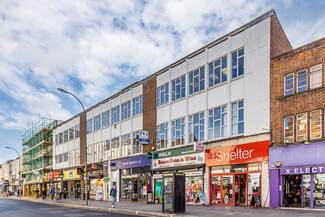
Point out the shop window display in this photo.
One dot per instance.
(193, 185)
(319, 191)
(158, 190)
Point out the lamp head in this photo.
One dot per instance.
(60, 89)
(7, 147)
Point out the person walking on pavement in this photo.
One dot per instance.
(44, 194)
(113, 194)
(52, 193)
(65, 193)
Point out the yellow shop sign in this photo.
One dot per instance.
(71, 174)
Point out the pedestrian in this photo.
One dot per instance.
(65, 193)
(36, 193)
(113, 194)
(44, 194)
(52, 193)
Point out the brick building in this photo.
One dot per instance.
(297, 116)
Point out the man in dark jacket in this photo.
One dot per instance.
(113, 194)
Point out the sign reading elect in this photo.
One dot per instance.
(251, 152)
(302, 170)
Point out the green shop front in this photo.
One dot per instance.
(185, 159)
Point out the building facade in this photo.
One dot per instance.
(297, 172)
(37, 157)
(218, 96)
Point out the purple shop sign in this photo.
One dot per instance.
(132, 162)
(302, 170)
(299, 155)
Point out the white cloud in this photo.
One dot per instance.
(50, 44)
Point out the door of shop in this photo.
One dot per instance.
(229, 189)
(296, 190)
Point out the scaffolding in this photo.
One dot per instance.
(37, 149)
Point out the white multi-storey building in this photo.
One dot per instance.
(218, 96)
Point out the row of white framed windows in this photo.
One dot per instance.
(196, 127)
(218, 122)
(315, 127)
(73, 157)
(315, 73)
(218, 71)
(196, 80)
(68, 135)
(137, 105)
(97, 123)
(162, 136)
(162, 95)
(178, 132)
(90, 125)
(178, 88)
(217, 126)
(126, 110)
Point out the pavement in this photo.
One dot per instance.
(191, 210)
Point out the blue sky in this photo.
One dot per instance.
(95, 48)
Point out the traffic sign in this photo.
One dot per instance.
(149, 155)
(144, 137)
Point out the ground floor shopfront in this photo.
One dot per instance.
(132, 177)
(72, 183)
(184, 159)
(235, 173)
(297, 176)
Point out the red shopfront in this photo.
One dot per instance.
(236, 172)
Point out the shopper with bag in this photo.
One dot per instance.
(113, 194)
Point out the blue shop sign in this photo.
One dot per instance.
(132, 162)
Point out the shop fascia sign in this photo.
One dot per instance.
(302, 170)
(175, 152)
(177, 157)
(245, 153)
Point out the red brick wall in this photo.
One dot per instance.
(82, 138)
(149, 110)
(310, 100)
(279, 41)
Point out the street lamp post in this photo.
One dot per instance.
(18, 168)
(86, 176)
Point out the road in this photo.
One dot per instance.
(17, 208)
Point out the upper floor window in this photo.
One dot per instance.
(105, 119)
(89, 125)
(77, 131)
(316, 76)
(162, 95)
(196, 127)
(288, 129)
(301, 81)
(302, 127)
(196, 80)
(89, 153)
(56, 139)
(136, 146)
(115, 147)
(237, 63)
(137, 105)
(126, 145)
(316, 124)
(71, 133)
(218, 122)
(97, 123)
(237, 118)
(126, 110)
(178, 132)
(162, 136)
(106, 150)
(289, 84)
(115, 114)
(218, 71)
(178, 88)
(66, 137)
